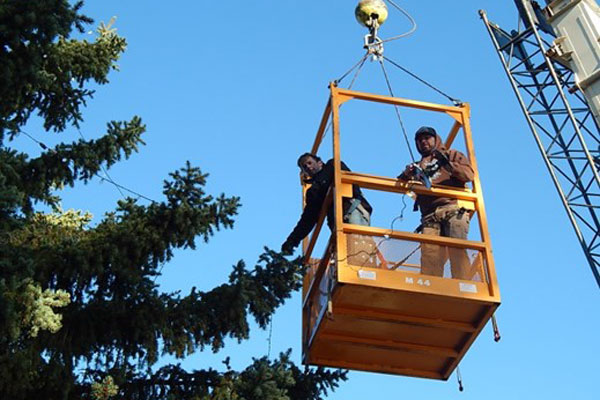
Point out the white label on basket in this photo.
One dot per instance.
(467, 287)
(371, 275)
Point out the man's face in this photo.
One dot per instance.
(311, 166)
(426, 144)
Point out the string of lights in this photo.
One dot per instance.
(106, 178)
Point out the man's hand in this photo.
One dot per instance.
(287, 248)
(408, 173)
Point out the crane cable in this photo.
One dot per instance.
(359, 64)
(454, 100)
(387, 81)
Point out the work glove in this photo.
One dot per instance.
(287, 248)
(442, 158)
(408, 172)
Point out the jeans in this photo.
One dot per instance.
(358, 217)
(362, 249)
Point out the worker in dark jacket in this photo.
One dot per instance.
(356, 210)
(441, 215)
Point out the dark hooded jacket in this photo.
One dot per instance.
(315, 196)
(456, 173)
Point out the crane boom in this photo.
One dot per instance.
(557, 111)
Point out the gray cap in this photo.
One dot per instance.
(425, 130)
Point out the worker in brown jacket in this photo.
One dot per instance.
(441, 215)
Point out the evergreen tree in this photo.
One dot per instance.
(80, 314)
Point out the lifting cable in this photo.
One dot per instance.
(456, 101)
(359, 64)
(364, 59)
(387, 81)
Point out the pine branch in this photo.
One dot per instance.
(117, 321)
(40, 70)
(147, 323)
(279, 379)
(28, 31)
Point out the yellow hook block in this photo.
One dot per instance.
(367, 8)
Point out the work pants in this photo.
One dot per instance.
(450, 221)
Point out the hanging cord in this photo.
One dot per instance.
(387, 81)
(456, 102)
(459, 378)
(410, 18)
(497, 336)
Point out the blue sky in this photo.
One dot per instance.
(238, 88)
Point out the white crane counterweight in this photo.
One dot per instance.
(577, 26)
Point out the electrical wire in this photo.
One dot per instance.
(410, 18)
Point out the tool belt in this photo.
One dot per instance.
(435, 217)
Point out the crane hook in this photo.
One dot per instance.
(372, 14)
